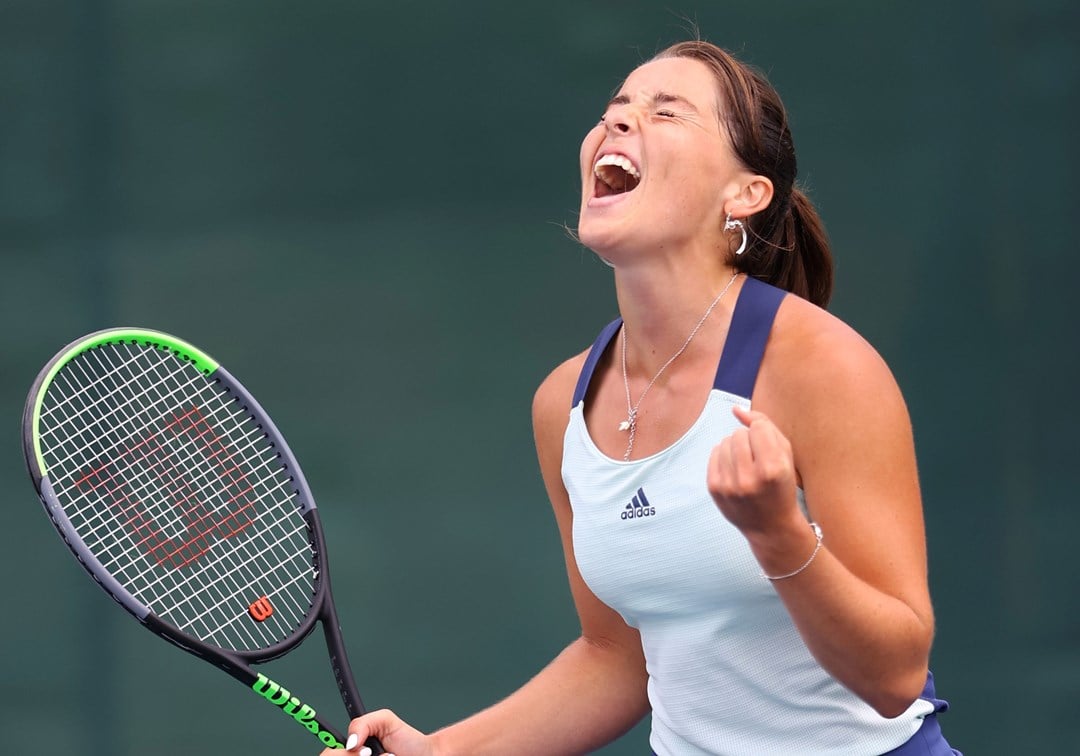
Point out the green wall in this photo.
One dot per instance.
(358, 207)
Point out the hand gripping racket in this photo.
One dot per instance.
(175, 491)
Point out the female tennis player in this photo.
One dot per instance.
(732, 468)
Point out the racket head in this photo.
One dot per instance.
(177, 493)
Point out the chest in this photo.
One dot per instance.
(648, 539)
(664, 409)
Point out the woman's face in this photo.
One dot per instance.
(658, 168)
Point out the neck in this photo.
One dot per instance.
(662, 306)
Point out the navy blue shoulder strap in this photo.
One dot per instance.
(743, 349)
(745, 344)
(595, 354)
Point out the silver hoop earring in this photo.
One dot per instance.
(732, 224)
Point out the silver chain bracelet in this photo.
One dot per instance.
(817, 548)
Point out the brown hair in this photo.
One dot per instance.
(786, 245)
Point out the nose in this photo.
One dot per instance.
(619, 120)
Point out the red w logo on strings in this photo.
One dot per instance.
(179, 487)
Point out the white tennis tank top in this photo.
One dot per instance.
(728, 672)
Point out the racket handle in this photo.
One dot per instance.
(303, 714)
(339, 663)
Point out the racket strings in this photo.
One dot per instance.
(90, 421)
(214, 588)
(136, 482)
(233, 571)
(210, 586)
(272, 475)
(254, 434)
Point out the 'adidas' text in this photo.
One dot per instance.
(638, 507)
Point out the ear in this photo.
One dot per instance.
(754, 195)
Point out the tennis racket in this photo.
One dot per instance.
(179, 496)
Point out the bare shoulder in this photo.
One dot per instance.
(551, 415)
(813, 356)
(832, 395)
(551, 403)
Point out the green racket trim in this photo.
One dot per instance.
(197, 357)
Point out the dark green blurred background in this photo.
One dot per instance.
(358, 208)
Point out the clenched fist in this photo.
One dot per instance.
(751, 476)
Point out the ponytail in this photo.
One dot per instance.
(788, 248)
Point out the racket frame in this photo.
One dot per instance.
(237, 663)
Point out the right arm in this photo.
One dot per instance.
(591, 693)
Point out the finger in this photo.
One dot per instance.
(359, 731)
(770, 449)
(730, 465)
(376, 724)
(719, 466)
(747, 416)
(742, 458)
(765, 438)
(350, 745)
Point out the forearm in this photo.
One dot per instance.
(588, 696)
(874, 643)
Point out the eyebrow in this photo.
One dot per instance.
(660, 98)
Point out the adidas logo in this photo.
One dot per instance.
(638, 507)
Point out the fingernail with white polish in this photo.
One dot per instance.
(365, 751)
(351, 742)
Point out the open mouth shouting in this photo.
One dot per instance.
(615, 175)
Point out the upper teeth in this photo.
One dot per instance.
(619, 160)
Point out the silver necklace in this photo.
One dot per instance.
(630, 423)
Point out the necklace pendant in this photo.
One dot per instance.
(624, 425)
